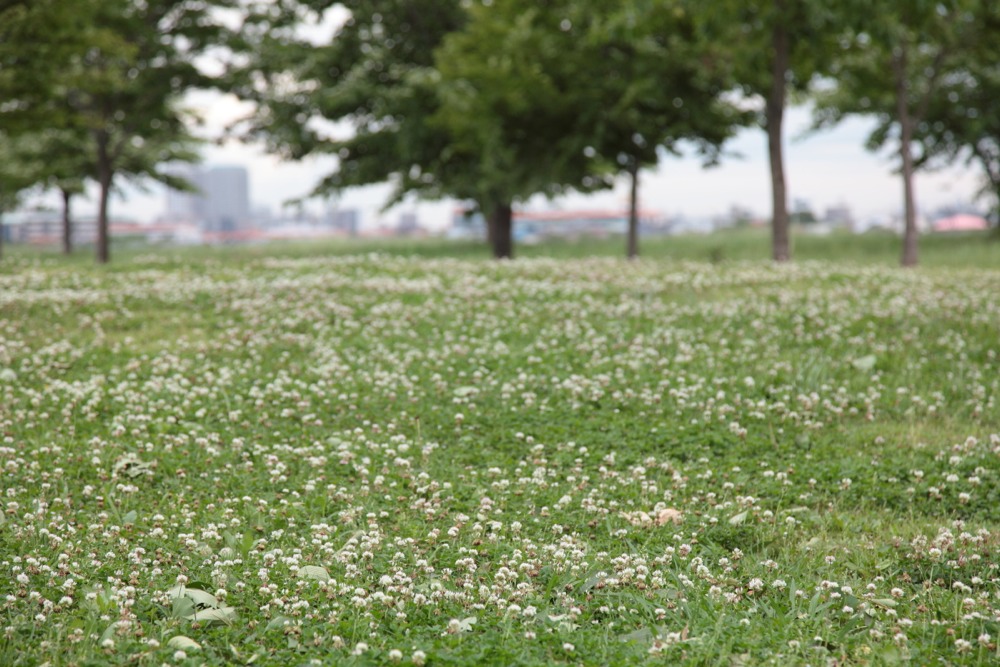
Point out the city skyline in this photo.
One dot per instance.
(221, 201)
(827, 168)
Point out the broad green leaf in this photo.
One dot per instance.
(131, 466)
(220, 615)
(196, 595)
(185, 643)
(109, 633)
(316, 572)
(277, 622)
(865, 363)
(182, 607)
(591, 582)
(642, 635)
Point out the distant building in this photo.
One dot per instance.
(961, 222)
(227, 199)
(591, 223)
(408, 224)
(840, 216)
(221, 202)
(41, 227)
(45, 228)
(467, 223)
(345, 220)
(531, 227)
(186, 206)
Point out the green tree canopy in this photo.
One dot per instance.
(961, 123)
(360, 94)
(114, 85)
(545, 98)
(894, 69)
(491, 103)
(776, 48)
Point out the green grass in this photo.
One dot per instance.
(874, 248)
(293, 455)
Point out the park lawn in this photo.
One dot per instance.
(288, 458)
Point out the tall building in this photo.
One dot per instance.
(186, 206)
(408, 224)
(227, 199)
(222, 202)
(346, 220)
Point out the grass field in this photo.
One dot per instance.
(306, 455)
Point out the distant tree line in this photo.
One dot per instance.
(489, 102)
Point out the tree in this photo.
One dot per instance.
(122, 87)
(377, 74)
(489, 104)
(20, 170)
(893, 69)
(566, 95)
(511, 110)
(777, 47)
(649, 84)
(371, 80)
(65, 164)
(961, 123)
(37, 41)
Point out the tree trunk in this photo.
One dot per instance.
(104, 177)
(632, 248)
(67, 225)
(899, 67)
(995, 216)
(490, 232)
(501, 231)
(774, 119)
(2, 211)
(993, 177)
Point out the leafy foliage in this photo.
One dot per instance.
(111, 99)
(894, 70)
(776, 48)
(372, 77)
(960, 123)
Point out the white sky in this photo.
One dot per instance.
(826, 168)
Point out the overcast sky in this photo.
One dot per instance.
(825, 169)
